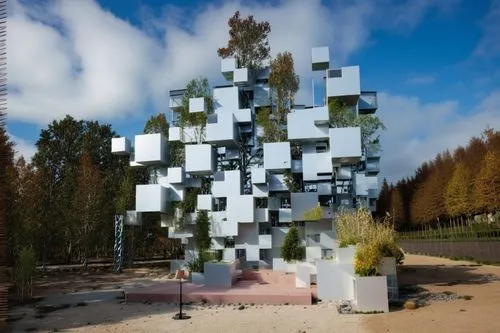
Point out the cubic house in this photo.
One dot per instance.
(254, 191)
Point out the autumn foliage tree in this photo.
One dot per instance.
(284, 84)
(88, 204)
(487, 185)
(457, 196)
(248, 41)
(449, 188)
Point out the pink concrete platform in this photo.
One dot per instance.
(257, 287)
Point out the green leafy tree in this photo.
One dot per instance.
(248, 41)
(196, 88)
(157, 124)
(57, 161)
(342, 116)
(292, 249)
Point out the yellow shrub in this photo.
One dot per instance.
(313, 214)
(366, 259)
(374, 240)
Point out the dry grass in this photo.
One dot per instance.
(374, 239)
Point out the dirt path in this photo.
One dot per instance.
(96, 307)
(480, 314)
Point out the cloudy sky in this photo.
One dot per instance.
(435, 63)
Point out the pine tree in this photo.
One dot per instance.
(292, 248)
(202, 231)
(397, 207)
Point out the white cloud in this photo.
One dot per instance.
(488, 45)
(76, 58)
(22, 148)
(73, 57)
(416, 132)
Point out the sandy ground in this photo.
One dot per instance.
(101, 309)
(438, 275)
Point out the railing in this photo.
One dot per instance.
(483, 232)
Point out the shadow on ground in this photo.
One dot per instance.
(441, 275)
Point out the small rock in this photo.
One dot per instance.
(241, 307)
(410, 305)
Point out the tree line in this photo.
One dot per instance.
(451, 188)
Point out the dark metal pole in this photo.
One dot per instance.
(180, 315)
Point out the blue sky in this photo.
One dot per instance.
(435, 64)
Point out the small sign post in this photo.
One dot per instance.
(180, 316)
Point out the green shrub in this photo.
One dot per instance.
(25, 271)
(292, 249)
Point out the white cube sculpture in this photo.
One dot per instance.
(176, 175)
(205, 202)
(174, 134)
(120, 146)
(259, 176)
(320, 58)
(197, 105)
(345, 144)
(151, 149)
(265, 242)
(277, 156)
(345, 84)
(240, 76)
(151, 198)
(200, 159)
(301, 203)
(240, 208)
(228, 65)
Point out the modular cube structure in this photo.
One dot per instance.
(255, 190)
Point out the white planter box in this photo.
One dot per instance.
(334, 281)
(197, 278)
(303, 276)
(370, 293)
(220, 274)
(345, 255)
(280, 265)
